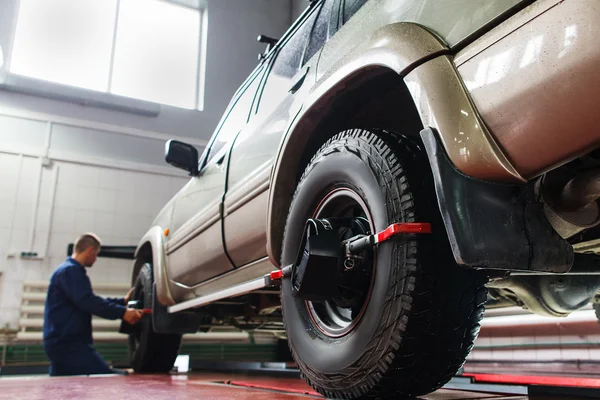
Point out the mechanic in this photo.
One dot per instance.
(70, 304)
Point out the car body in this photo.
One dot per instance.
(501, 94)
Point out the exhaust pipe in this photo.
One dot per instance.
(574, 208)
(581, 191)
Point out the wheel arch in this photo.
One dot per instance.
(151, 249)
(310, 131)
(143, 255)
(380, 62)
(411, 69)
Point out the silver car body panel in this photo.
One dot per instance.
(398, 35)
(536, 77)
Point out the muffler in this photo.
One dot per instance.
(574, 208)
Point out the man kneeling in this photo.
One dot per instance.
(70, 304)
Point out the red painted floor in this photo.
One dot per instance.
(288, 385)
(134, 387)
(537, 380)
(208, 386)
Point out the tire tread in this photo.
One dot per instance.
(433, 308)
(156, 352)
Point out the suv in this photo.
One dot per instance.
(476, 117)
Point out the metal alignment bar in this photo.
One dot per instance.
(234, 291)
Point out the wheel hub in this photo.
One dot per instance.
(348, 215)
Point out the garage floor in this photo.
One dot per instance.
(213, 386)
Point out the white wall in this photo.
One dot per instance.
(232, 50)
(119, 205)
(84, 188)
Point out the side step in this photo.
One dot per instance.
(267, 280)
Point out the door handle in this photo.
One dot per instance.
(300, 81)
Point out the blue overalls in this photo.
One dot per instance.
(68, 321)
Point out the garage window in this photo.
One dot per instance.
(143, 49)
(65, 41)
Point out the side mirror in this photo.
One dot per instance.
(182, 155)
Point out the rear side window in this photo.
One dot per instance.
(236, 118)
(285, 66)
(351, 7)
(341, 12)
(320, 33)
(288, 60)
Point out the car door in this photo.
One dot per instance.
(195, 250)
(290, 79)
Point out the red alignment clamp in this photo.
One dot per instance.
(279, 273)
(146, 311)
(406, 227)
(364, 242)
(274, 275)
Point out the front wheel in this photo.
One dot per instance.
(404, 319)
(150, 352)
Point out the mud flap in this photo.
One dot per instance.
(492, 225)
(181, 322)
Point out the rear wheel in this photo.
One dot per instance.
(150, 352)
(404, 318)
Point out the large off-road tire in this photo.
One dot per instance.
(150, 352)
(415, 326)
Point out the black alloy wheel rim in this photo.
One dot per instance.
(339, 316)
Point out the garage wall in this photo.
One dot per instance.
(105, 169)
(511, 338)
(107, 181)
(232, 50)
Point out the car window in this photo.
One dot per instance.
(236, 117)
(335, 18)
(351, 7)
(320, 33)
(286, 65)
